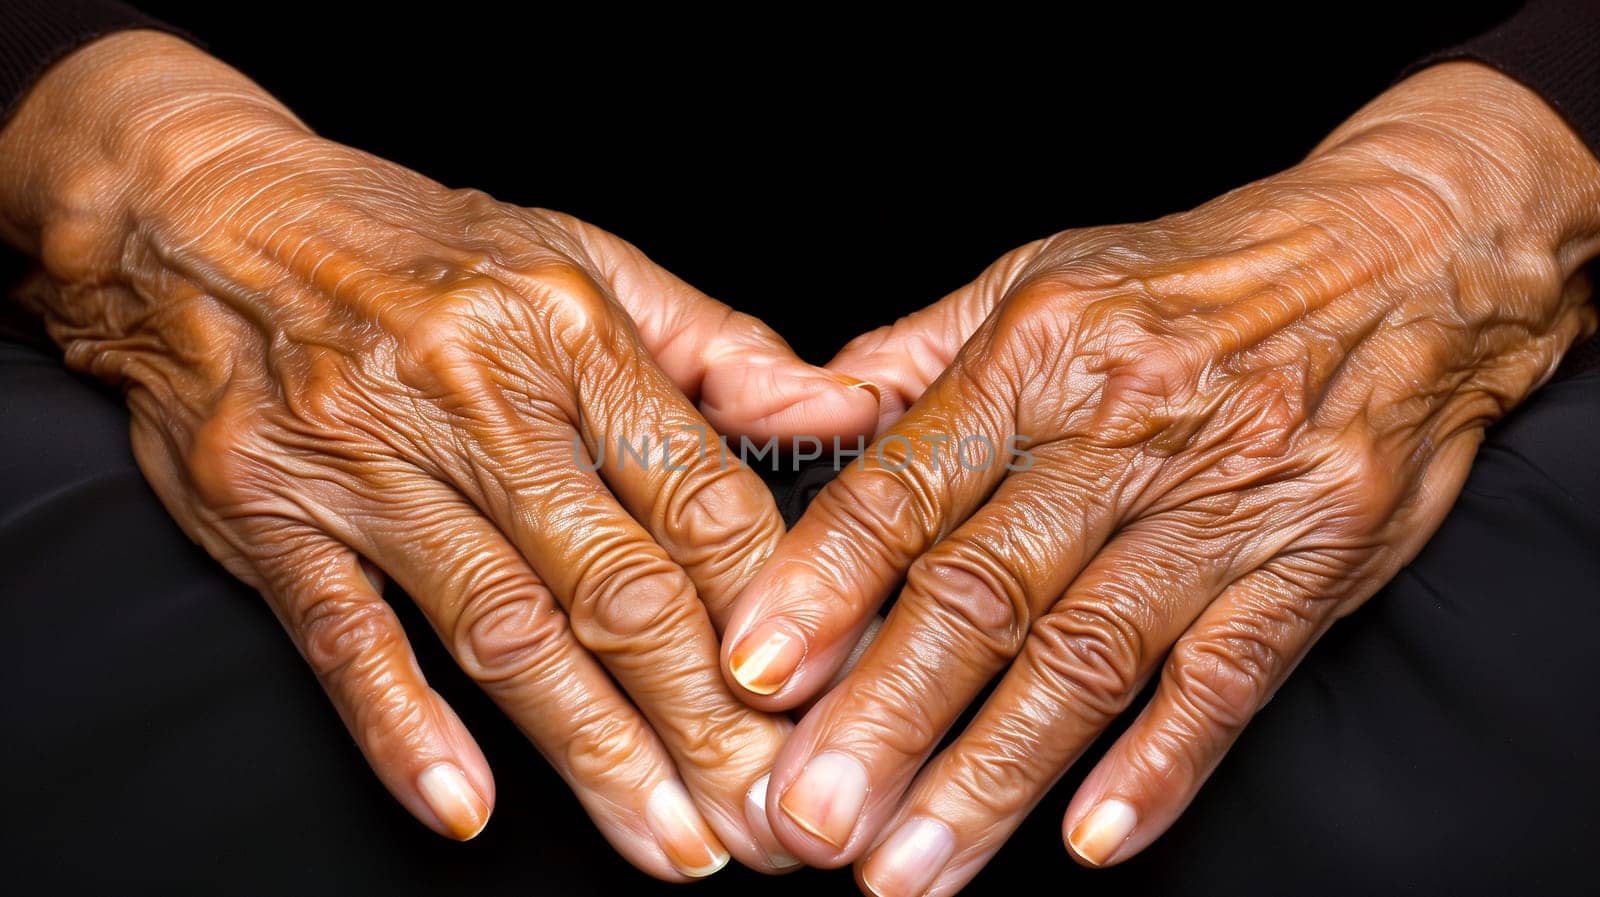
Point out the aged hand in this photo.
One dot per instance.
(1201, 439)
(336, 367)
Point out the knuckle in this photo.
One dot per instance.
(611, 748)
(388, 713)
(223, 462)
(891, 509)
(890, 713)
(323, 397)
(992, 777)
(704, 507)
(508, 631)
(720, 525)
(1361, 489)
(970, 585)
(642, 601)
(578, 313)
(442, 339)
(1176, 751)
(1222, 682)
(1036, 302)
(344, 633)
(712, 738)
(1151, 379)
(1091, 654)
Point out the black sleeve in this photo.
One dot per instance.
(1552, 46)
(36, 33)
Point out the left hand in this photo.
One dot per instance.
(1242, 421)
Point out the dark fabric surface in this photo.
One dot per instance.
(1553, 46)
(163, 736)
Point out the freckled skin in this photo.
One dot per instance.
(332, 362)
(1245, 418)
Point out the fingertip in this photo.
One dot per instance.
(787, 399)
(909, 859)
(459, 811)
(682, 832)
(1100, 837)
(453, 785)
(464, 751)
(755, 812)
(867, 386)
(763, 661)
(781, 655)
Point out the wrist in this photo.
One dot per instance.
(104, 130)
(1487, 152)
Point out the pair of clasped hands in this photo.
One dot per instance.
(1240, 421)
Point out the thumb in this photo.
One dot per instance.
(753, 384)
(746, 380)
(903, 358)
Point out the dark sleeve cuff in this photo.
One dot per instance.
(36, 33)
(1552, 46)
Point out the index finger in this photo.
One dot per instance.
(796, 622)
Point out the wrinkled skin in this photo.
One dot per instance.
(337, 367)
(1242, 420)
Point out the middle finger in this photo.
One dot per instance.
(1082, 664)
(961, 618)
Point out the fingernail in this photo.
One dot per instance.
(766, 658)
(910, 860)
(453, 799)
(853, 383)
(755, 812)
(688, 842)
(1101, 833)
(827, 798)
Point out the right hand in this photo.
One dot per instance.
(335, 364)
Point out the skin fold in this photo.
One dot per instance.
(340, 371)
(1242, 419)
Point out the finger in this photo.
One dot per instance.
(712, 515)
(637, 611)
(627, 602)
(903, 358)
(653, 450)
(1219, 674)
(747, 380)
(960, 620)
(1082, 664)
(508, 633)
(1228, 665)
(328, 599)
(797, 621)
(353, 641)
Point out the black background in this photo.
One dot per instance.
(823, 165)
(827, 171)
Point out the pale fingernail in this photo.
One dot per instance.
(827, 798)
(688, 842)
(755, 811)
(453, 799)
(910, 859)
(1100, 834)
(766, 658)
